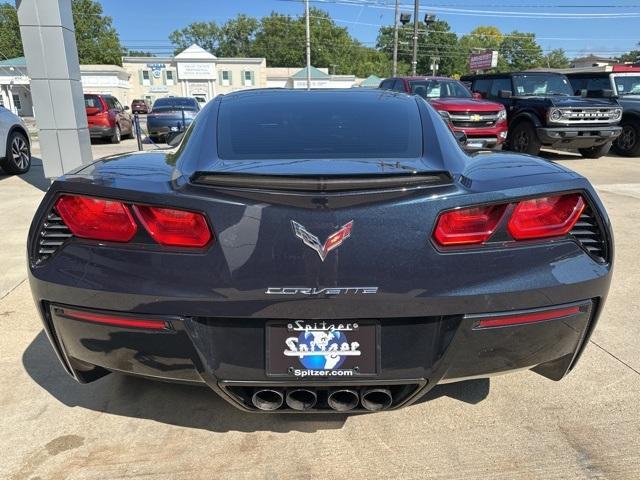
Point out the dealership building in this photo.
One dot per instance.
(194, 72)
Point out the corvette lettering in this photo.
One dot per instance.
(321, 291)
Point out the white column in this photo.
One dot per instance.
(48, 38)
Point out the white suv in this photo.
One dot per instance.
(16, 158)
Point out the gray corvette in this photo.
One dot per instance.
(323, 251)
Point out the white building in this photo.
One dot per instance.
(293, 77)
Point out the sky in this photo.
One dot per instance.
(604, 27)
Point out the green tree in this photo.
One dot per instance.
(138, 53)
(519, 51)
(438, 43)
(236, 37)
(204, 34)
(280, 39)
(556, 58)
(10, 42)
(96, 37)
(632, 56)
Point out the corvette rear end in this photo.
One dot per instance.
(319, 251)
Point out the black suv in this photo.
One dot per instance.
(623, 81)
(543, 111)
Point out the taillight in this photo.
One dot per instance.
(97, 219)
(545, 216)
(171, 227)
(111, 319)
(468, 226)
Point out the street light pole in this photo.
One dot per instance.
(306, 11)
(414, 61)
(395, 39)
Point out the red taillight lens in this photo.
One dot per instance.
(176, 228)
(545, 216)
(97, 219)
(530, 317)
(468, 226)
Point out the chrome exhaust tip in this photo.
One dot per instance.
(301, 399)
(267, 399)
(375, 399)
(343, 400)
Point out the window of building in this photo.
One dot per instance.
(247, 78)
(16, 101)
(225, 78)
(169, 77)
(146, 77)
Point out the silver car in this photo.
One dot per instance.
(16, 156)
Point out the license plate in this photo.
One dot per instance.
(475, 144)
(174, 129)
(316, 349)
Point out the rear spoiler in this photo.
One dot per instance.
(321, 183)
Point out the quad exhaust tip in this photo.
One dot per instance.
(376, 399)
(301, 399)
(343, 400)
(267, 399)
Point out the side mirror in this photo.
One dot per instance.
(461, 138)
(174, 138)
(608, 93)
(504, 94)
(477, 95)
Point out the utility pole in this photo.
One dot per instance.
(414, 61)
(306, 10)
(395, 39)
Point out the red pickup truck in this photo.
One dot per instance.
(483, 122)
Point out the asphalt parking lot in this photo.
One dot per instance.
(514, 426)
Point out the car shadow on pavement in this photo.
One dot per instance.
(35, 175)
(175, 404)
(187, 405)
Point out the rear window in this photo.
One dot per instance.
(318, 125)
(175, 103)
(92, 101)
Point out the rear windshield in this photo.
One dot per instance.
(92, 101)
(318, 125)
(175, 103)
(439, 89)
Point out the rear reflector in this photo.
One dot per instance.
(113, 320)
(97, 219)
(523, 318)
(546, 216)
(468, 226)
(176, 228)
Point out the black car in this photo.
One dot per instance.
(327, 250)
(624, 82)
(542, 110)
(170, 115)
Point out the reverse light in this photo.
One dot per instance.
(468, 226)
(171, 227)
(97, 219)
(545, 216)
(115, 320)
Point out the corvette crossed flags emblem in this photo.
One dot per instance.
(333, 241)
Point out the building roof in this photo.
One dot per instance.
(195, 52)
(371, 81)
(14, 62)
(315, 74)
(593, 58)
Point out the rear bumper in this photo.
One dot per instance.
(582, 137)
(229, 354)
(97, 131)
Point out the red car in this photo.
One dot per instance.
(107, 118)
(484, 123)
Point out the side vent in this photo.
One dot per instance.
(53, 233)
(589, 234)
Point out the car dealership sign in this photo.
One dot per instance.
(484, 60)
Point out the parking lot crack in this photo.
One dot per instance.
(13, 288)
(616, 358)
